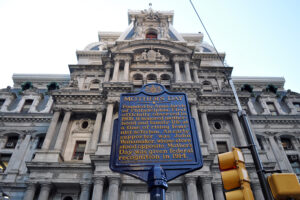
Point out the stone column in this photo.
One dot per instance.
(96, 132)
(98, 188)
(257, 191)
(34, 105)
(51, 130)
(278, 108)
(113, 188)
(45, 191)
(108, 66)
(7, 102)
(280, 156)
(116, 71)
(291, 106)
(196, 117)
(195, 74)
(187, 71)
(191, 188)
(263, 105)
(20, 153)
(251, 107)
(62, 131)
(30, 191)
(206, 130)
(206, 188)
(218, 191)
(238, 129)
(107, 123)
(177, 72)
(126, 70)
(85, 191)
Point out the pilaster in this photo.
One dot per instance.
(113, 188)
(45, 191)
(98, 188)
(191, 188)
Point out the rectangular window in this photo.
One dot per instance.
(2, 102)
(222, 147)
(11, 142)
(287, 144)
(40, 142)
(272, 108)
(260, 142)
(294, 160)
(4, 159)
(79, 150)
(297, 105)
(27, 105)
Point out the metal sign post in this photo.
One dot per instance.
(155, 138)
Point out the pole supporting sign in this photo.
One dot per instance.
(155, 137)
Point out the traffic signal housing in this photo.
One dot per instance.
(284, 186)
(234, 175)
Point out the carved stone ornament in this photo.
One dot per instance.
(151, 56)
(153, 89)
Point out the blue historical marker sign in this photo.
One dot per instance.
(155, 128)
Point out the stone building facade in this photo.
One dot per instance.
(56, 130)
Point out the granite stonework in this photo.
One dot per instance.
(55, 142)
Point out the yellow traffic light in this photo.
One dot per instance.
(284, 186)
(235, 176)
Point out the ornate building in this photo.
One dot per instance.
(55, 131)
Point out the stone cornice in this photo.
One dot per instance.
(82, 97)
(221, 99)
(95, 54)
(117, 86)
(208, 56)
(275, 119)
(70, 167)
(80, 68)
(17, 117)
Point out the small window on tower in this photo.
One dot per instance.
(151, 36)
(79, 150)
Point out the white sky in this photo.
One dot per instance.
(260, 38)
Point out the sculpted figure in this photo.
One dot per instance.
(144, 55)
(138, 30)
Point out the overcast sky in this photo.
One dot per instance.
(259, 37)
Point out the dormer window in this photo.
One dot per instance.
(151, 36)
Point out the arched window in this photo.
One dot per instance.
(137, 77)
(95, 84)
(151, 77)
(207, 87)
(206, 83)
(165, 77)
